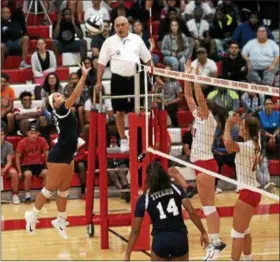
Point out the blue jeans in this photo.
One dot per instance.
(175, 63)
(262, 77)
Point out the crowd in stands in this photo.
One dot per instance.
(236, 35)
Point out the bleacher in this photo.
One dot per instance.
(21, 80)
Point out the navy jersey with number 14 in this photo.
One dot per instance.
(164, 209)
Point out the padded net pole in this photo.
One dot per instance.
(90, 179)
(137, 91)
(103, 180)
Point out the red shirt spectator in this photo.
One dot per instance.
(32, 150)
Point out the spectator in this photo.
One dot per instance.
(97, 42)
(28, 114)
(251, 103)
(50, 85)
(225, 98)
(43, 62)
(192, 5)
(119, 177)
(234, 66)
(171, 89)
(7, 153)
(248, 30)
(262, 56)
(140, 11)
(69, 88)
(13, 39)
(229, 8)
(89, 105)
(199, 29)
(65, 29)
(165, 24)
(97, 10)
(29, 158)
(120, 10)
(139, 30)
(176, 48)
(7, 102)
(169, 4)
(91, 78)
(221, 30)
(76, 6)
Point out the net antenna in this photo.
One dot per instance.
(234, 85)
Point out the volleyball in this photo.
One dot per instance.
(94, 25)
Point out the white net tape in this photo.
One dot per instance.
(243, 180)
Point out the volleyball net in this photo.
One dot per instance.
(188, 139)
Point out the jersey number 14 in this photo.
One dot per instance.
(171, 209)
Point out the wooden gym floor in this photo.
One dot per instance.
(46, 244)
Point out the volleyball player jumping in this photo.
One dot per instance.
(246, 160)
(60, 159)
(202, 156)
(163, 201)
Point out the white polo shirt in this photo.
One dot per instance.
(124, 54)
(102, 13)
(207, 69)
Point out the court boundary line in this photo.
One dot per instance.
(125, 240)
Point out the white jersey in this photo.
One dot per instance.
(204, 131)
(244, 161)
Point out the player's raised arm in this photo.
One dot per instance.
(230, 145)
(188, 89)
(79, 88)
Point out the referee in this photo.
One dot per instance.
(123, 50)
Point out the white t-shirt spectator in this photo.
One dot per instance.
(208, 69)
(124, 54)
(189, 9)
(21, 111)
(244, 160)
(102, 13)
(204, 131)
(106, 107)
(198, 29)
(106, 6)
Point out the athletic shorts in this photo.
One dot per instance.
(250, 197)
(170, 244)
(13, 46)
(60, 155)
(210, 165)
(35, 169)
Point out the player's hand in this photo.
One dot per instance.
(204, 240)
(85, 70)
(188, 66)
(172, 171)
(19, 174)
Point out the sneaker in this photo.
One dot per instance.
(124, 145)
(27, 200)
(31, 221)
(218, 190)
(24, 65)
(213, 252)
(15, 199)
(60, 225)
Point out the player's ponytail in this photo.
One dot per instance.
(157, 179)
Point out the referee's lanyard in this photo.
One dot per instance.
(198, 28)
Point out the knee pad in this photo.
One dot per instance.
(46, 193)
(235, 234)
(208, 210)
(63, 193)
(247, 231)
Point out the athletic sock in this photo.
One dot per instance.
(27, 195)
(62, 215)
(215, 239)
(35, 211)
(248, 257)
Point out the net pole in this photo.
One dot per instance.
(163, 137)
(146, 112)
(103, 178)
(90, 178)
(137, 91)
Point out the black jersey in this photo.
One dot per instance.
(67, 129)
(164, 208)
